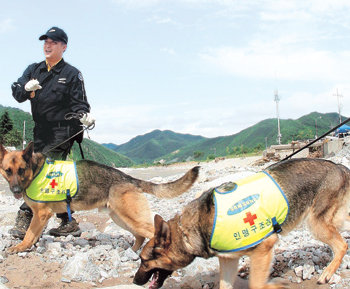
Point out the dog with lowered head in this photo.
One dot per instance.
(100, 186)
(316, 190)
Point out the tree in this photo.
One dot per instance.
(211, 157)
(258, 147)
(12, 138)
(6, 125)
(197, 154)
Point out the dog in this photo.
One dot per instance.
(100, 186)
(316, 190)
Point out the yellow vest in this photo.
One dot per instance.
(55, 179)
(246, 212)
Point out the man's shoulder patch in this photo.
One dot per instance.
(80, 76)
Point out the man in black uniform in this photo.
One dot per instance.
(55, 89)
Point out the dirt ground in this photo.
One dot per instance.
(31, 271)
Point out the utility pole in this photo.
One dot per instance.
(339, 104)
(277, 99)
(24, 134)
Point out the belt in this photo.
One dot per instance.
(62, 123)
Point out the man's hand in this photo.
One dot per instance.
(87, 120)
(32, 85)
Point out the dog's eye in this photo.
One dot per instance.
(21, 171)
(8, 172)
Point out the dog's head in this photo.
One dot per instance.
(16, 168)
(156, 257)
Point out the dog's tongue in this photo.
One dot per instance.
(153, 284)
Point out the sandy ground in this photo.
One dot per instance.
(32, 272)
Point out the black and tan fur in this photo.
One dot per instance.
(317, 190)
(100, 186)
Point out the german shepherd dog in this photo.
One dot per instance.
(317, 190)
(100, 186)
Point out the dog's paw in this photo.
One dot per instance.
(326, 276)
(16, 249)
(12, 250)
(323, 279)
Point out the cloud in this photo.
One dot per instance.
(120, 124)
(168, 50)
(161, 20)
(135, 4)
(124, 122)
(324, 6)
(265, 61)
(6, 25)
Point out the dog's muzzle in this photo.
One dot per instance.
(17, 191)
(158, 277)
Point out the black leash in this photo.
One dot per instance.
(81, 151)
(315, 140)
(70, 116)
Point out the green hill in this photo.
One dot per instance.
(97, 152)
(18, 117)
(92, 150)
(153, 145)
(257, 137)
(172, 146)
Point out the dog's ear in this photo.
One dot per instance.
(162, 236)
(28, 152)
(3, 152)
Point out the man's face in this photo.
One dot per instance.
(53, 50)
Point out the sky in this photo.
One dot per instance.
(200, 67)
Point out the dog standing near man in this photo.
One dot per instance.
(54, 89)
(100, 186)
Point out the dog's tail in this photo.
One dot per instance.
(172, 189)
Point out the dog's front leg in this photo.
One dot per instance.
(228, 272)
(39, 221)
(260, 263)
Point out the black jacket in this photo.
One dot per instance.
(62, 91)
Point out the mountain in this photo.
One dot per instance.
(92, 150)
(97, 152)
(258, 137)
(148, 147)
(174, 147)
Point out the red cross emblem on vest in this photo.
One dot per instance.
(250, 218)
(53, 183)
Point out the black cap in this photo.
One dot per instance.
(56, 34)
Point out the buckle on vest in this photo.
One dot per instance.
(276, 227)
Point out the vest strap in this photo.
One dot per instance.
(68, 200)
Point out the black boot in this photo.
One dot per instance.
(23, 220)
(66, 228)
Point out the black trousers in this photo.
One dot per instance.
(52, 141)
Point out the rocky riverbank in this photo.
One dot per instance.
(102, 256)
